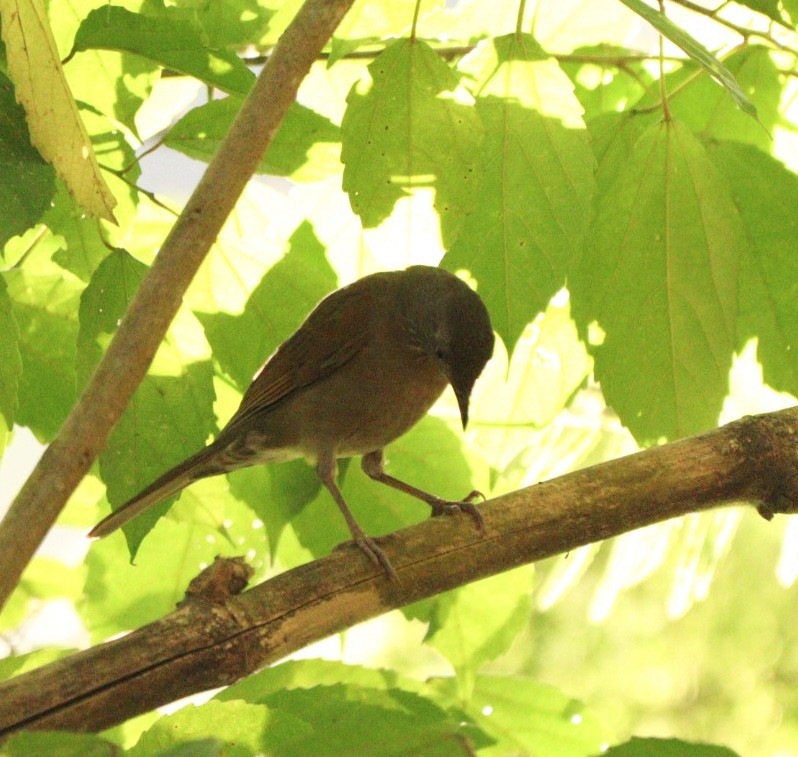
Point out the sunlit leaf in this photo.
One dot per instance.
(410, 127)
(55, 126)
(695, 50)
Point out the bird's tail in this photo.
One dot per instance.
(204, 463)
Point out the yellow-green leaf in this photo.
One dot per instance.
(53, 119)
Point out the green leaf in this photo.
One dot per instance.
(305, 146)
(535, 187)
(58, 744)
(45, 307)
(171, 414)
(174, 44)
(637, 747)
(659, 275)
(476, 623)
(25, 198)
(701, 103)
(348, 719)
(55, 126)
(84, 248)
(276, 493)
(695, 50)
(600, 84)
(410, 128)
(766, 195)
(305, 674)
(168, 559)
(244, 729)
(10, 365)
(275, 309)
(528, 717)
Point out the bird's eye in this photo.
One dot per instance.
(440, 353)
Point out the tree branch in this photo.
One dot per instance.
(216, 638)
(129, 355)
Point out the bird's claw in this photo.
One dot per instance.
(369, 546)
(466, 505)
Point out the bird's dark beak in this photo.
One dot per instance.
(462, 401)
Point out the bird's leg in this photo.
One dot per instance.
(326, 469)
(372, 465)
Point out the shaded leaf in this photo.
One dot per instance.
(278, 305)
(304, 147)
(10, 365)
(659, 275)
(244, 729)
(535, 186)
(171, 43)
(476, 623)
(637, 747)
(528, 717)
(171, 413)
(23, 200)
(766, 194)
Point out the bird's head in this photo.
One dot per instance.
(451, 324)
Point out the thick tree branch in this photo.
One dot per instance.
(124, 365)
(215, 638)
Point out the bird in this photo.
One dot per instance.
(364, 367)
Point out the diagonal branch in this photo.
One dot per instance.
(215, 638)
(129, 355)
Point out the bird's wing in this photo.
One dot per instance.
(332, 334)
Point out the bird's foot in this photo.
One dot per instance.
(369, 546)
(466, 505)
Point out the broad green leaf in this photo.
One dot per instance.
(766, 195)
(233, 23)
(170, 43)
(58, 744)
(535, 183)
(276, 493)
(305, 674)
(23, 199)
(45, 308)
(169, 558)
(10, 365)
(83, 245)
(243, 729)
(55, 126)
(171, 414)
(659, 275)
(304, 147)
(637, 747)
(410, 127)
(701, 103)
(346, 719)
(528, 717)
(476, 623)
(695, 50)
(275, 309)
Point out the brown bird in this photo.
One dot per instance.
(363, 368)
